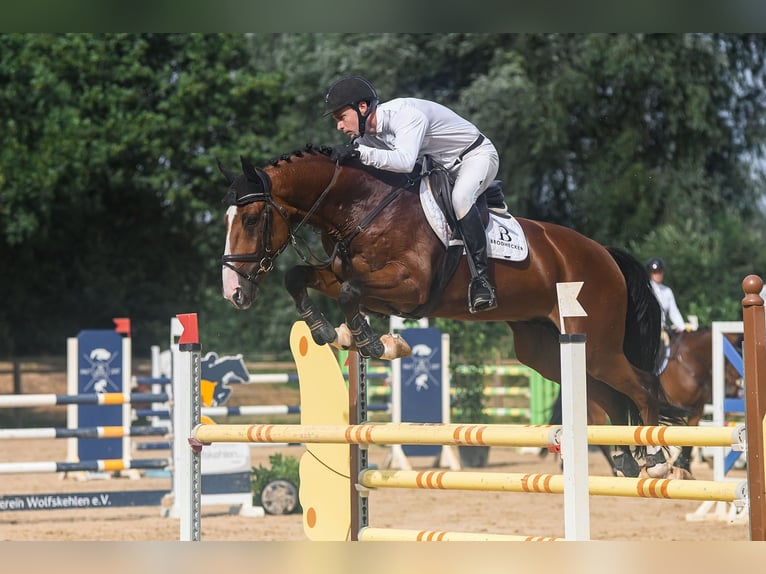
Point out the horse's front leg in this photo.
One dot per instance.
(367, 342)
(297, 279)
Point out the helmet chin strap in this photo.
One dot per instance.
(362, 122)
(362, 119)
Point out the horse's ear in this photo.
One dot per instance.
(249, 169)
(256, 175)
(229, 175)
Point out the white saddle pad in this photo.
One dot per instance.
(505, 237)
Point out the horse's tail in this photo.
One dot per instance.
(643, 326)
(643, 319)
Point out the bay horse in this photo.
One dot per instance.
(686, 376)
(384, 258)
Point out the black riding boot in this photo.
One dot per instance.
(481, 294)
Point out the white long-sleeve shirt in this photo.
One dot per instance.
(668, 305)
(408, 128)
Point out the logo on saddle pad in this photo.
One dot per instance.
(505, 237)
(217, 374)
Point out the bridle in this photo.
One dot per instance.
(266, 257)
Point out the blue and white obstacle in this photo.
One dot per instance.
(723, 460)
(97, 373)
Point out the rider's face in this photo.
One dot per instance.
(347, 121)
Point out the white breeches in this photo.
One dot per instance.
(473, 174)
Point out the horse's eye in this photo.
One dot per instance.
(250, 220)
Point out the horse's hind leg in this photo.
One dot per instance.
(537, 345)
(683, 460)
(606, 402)
(595, 417)
(297, 279)
(635, 384)
(682, 463)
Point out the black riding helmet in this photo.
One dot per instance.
(350, 91)
(655, 264)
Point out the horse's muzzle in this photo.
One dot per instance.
(242, 297)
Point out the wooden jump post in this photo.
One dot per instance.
(755, 401)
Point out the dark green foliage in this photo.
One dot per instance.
(110, 195)
(108, 184)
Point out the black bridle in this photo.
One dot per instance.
(262, 184)
(266, 257)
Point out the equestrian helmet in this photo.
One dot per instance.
(350, 91)
(655, 264)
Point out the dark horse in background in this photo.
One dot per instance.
(686, 375)
(384, 258)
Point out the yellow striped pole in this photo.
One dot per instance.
(399, 534)
(457, 434)
(667, 435)
(384, 433)
(730, 491)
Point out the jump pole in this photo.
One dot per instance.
(187, 458)
(574, 438)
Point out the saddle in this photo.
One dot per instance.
(440, 183)
(492, 199)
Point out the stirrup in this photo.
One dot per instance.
(481, 295)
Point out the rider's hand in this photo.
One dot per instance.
(344, 152)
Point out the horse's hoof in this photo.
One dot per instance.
(656, 465)
(661, 470)
(395, 347)
(372, 350)
(324, 334)
(625, 466)
(680, 473)
(343, 338)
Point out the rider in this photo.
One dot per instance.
(664, 294)
(394, 134)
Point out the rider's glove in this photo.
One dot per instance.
(344, 152)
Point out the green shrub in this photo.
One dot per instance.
(285, 468)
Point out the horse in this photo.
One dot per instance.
(686, 376)
(383, 257)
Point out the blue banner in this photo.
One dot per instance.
(99, 370)
(421, 376)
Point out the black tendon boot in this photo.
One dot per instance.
(481, 294)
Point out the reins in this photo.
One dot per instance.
(342, 246)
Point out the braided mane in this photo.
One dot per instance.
(308, 148)
(391, 178)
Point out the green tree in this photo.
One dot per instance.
(108, 179)
(109, 193)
